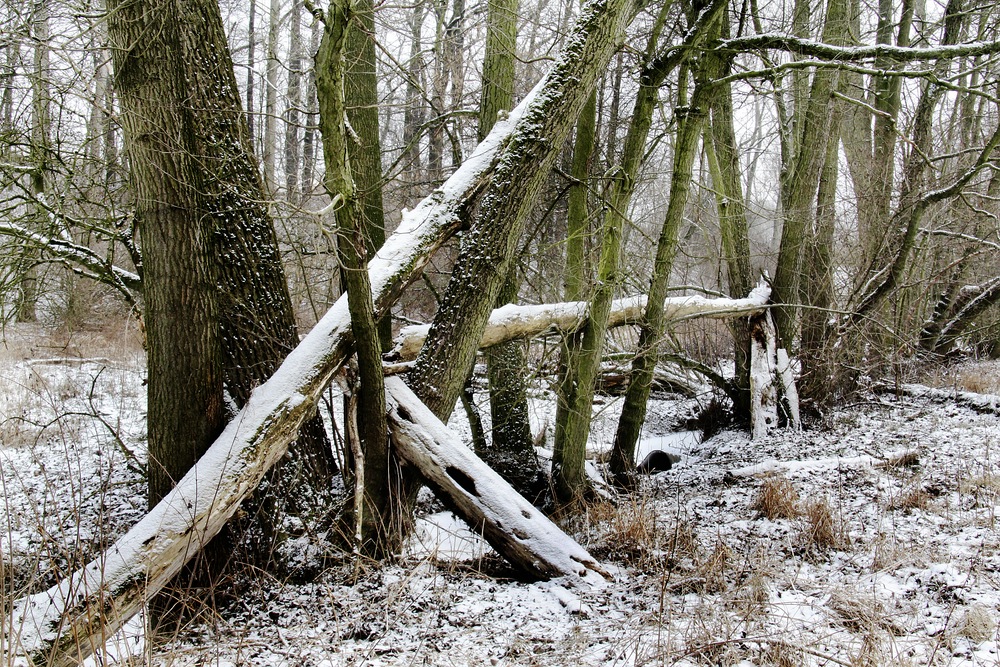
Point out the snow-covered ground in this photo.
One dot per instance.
(883, 547)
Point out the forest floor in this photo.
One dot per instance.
(869, 538)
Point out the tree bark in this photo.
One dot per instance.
(183, 114)
(293, 98)
(510, 451)
(804, 171)
(271, 97)
(723, 155)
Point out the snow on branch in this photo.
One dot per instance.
(77, 256)
(513, 321)
(887, 52)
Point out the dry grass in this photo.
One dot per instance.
(977, 624)
(863, 615)
(715, 568)
(981, 377)
(777, 499)
(632, 533)
(821, 530)
(913, 496)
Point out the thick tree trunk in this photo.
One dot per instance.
(361, 94)
(214, 199)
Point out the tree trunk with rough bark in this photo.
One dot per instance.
(511, 450)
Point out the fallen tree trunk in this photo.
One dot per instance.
(512, 525)
(66, 623)
(512, 321)
(982, 403)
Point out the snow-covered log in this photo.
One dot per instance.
(64, 624)
(981, 403)
(773, 466)
(513, 321)
(513, 526)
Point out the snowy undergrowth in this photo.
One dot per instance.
(884, 552)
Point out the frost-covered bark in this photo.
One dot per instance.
(63, 624)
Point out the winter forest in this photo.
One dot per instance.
(630, 332)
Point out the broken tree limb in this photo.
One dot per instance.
(64, 624)
(514, 527)
(513, 321)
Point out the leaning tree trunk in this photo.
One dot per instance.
(577, 388)
(488, 249)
